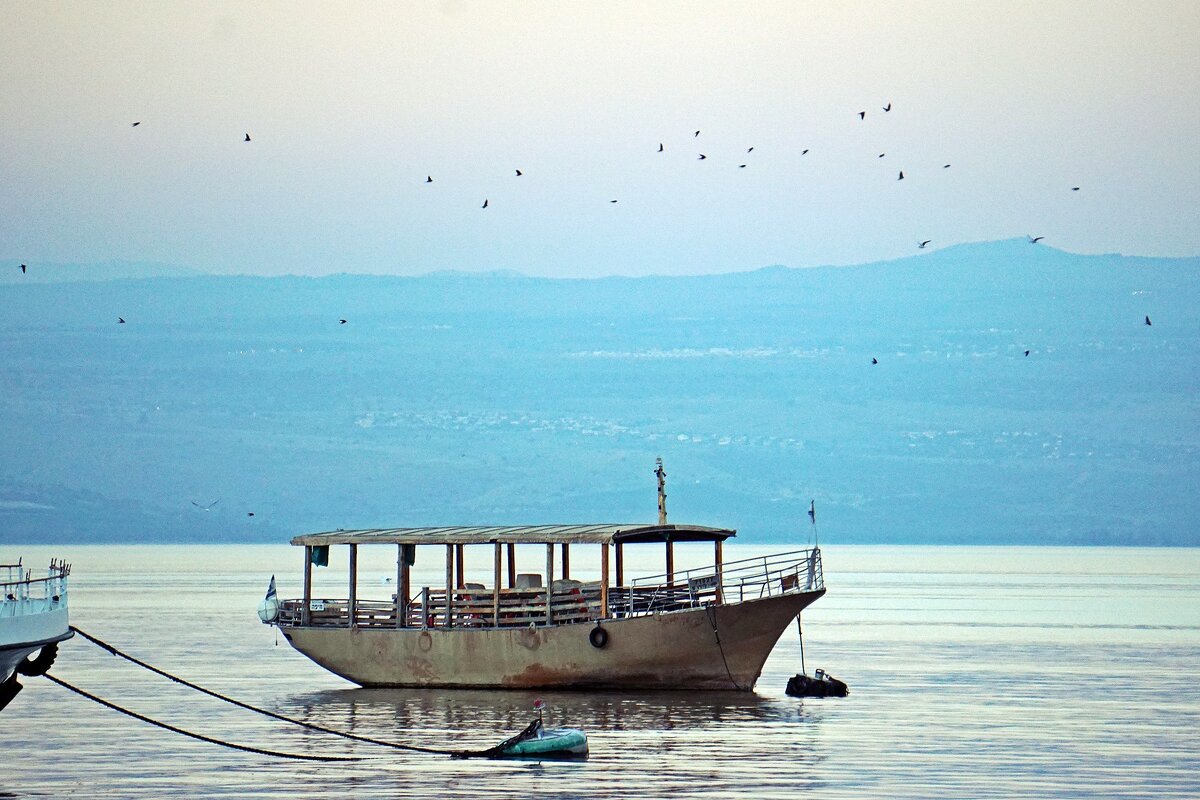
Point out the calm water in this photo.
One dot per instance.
(974, 672)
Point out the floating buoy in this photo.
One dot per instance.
(820, 684)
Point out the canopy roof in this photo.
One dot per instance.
(521, 534)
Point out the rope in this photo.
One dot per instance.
(181, 731)
(291, 720)
(720, 648)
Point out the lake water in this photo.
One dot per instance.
(974, 672)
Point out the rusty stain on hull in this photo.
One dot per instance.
(671, 650)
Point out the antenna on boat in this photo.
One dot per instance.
(662, 491)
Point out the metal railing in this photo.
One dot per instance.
(22, 594)
(735, 582)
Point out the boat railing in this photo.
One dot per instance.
(21, 593)
(733, 582)
(568, 602)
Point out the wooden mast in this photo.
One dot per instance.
(662, 518)
(353, 602)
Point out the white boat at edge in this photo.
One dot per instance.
(33, 619)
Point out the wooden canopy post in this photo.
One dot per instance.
(566, 561)
(670, 563)
(498, 557)
(353, 601)
(604, 580)
(402, 587)
(458, 566)
(620, 564)
(549, 583)
(304, 610)
(719, 568)
(449, 586)
(512, 565)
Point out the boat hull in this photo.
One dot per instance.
(24, 635)
(721, 647)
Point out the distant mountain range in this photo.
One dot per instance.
(461, 398)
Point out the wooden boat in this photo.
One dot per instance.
(33, 619)
(706, 628)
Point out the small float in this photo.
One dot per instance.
(820, 684)
(538, 741)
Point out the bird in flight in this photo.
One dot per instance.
(1035, 239)
(120, 320)
(741, 166)
(697, 134)
(702, 157)
(660, 147)
(207, 507)
(862, 115)
(1027, 354)
(804, 152)
(612, 201)
(134, 125)
(22, 269)
(519, 173)
(888, 107)
(881, 155)
(429, 179)
(249, 513)
(901, 176)
(751, 150)
(922, 244)
(341, 322)
(1147, 319)
(945, 166)
(874, 361)
(247, 137)
(484, 203)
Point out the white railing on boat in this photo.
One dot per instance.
(21, 593)
(572, 601)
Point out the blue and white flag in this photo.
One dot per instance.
(271, 594)
(812, 511)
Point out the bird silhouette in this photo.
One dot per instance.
(945, 166)
(207, 507)
(519, 173)
(22, 269)
(612, 201)
(804, 152)
(901, 176)
(341, 322)
(247, 137)
(660, 147)
(874, 361)
(751, 150)
(697, 134)
(1035, 239)
(881, 155)
(702, 157)
(888, 107)
(862, 115)
(120, 320)
(134, 125)
(249, 513)
(484, 203)
(429, 179)
(1027, 354)
(922, 244)
(741, 166)
(1147, 320)
(1074, 188)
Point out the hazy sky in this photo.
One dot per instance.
(351, 105)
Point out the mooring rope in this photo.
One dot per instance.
(720, 648)
(291, 720)
(201, 737)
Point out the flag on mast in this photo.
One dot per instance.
(271, 594)
(812, 511)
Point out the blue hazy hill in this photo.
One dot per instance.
(453, 398)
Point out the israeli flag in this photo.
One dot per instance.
(271, 593)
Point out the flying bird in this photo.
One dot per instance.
(945, 166)
(120, 320)
(1147, 320)
(697, 134)
(249, 513)
(702, 157)
(888, 107)
(484, 203)
(207, 507)
(429, 179)
(247, 137)
(134, 125)
(519, 173)
(1074, 188)
(1027, 354)
(341, 322)
(751, 150)
(804, 152)
(922, 244)
(22, 269)
(874, 361)
(741, 166)
(612, 201)
(881, 155)
(1035, 239)
(862, 115)
(660, 147)
(901, 176)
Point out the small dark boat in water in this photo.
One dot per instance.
(819, 685)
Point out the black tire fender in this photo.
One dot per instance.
(598, 637)
(41, 665)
